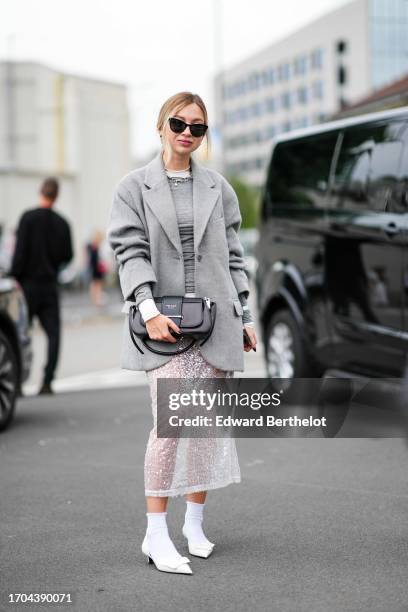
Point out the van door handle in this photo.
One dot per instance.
(391, 229)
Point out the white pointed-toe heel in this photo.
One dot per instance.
(203, 551)
(180, 567)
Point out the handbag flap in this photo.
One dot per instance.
(193, 314)
(191, 308)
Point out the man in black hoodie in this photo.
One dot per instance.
(43, 246)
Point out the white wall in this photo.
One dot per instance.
(66, 126)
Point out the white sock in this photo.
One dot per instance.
(193, 524)
(161, 547)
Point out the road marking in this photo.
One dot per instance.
(101, 379)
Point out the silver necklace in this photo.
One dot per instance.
(176, 180)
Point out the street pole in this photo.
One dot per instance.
(218, 69)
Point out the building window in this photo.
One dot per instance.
(270, 131)
(265, 78)
(317, 90)
(244, 112)
(317, 58)
(270, 105)
(256, 109)
(283, 72)
(241, 87)
(302, 95)
(235, 115)
(268, 77)
(254, 80)
(285, 99)
(300, 65)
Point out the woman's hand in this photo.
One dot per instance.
(158, 328)
(252, 335)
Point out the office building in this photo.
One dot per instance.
(306, 77)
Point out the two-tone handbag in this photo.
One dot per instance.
(194, 316)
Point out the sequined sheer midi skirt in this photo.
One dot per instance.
(175, 466)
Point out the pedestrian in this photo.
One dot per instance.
(43, 247)
(174, 231)
(96, 269)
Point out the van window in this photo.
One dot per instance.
(299, 174)
(366, 173)
(398, 203)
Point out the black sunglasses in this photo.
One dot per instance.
(178, 126)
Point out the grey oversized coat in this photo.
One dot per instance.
(144, 235)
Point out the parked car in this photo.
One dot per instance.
(15, 347)
(332, 275)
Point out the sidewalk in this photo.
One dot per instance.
(77, 308)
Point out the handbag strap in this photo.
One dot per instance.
(213, 308)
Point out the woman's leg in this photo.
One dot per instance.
(202, 455)
(198, 497)
(192, 528)
(98, 292)
(156, 504)
(159, 465)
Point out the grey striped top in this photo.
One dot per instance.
(182, 192)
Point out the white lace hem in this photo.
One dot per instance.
(193, 488)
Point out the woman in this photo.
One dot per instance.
(96, 269)
(174, 230)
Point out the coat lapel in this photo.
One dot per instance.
(160, 200)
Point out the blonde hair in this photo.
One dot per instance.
(173, 105)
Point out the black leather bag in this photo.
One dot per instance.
(194, 316)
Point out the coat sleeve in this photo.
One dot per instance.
(233, 220)
(127, 237)
(67, 250)
(61, 245)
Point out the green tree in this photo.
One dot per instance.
(249, 201)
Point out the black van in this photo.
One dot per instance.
(332, 275)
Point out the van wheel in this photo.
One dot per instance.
(8, 381)
(285, 354)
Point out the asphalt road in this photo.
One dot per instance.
(316, 525)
